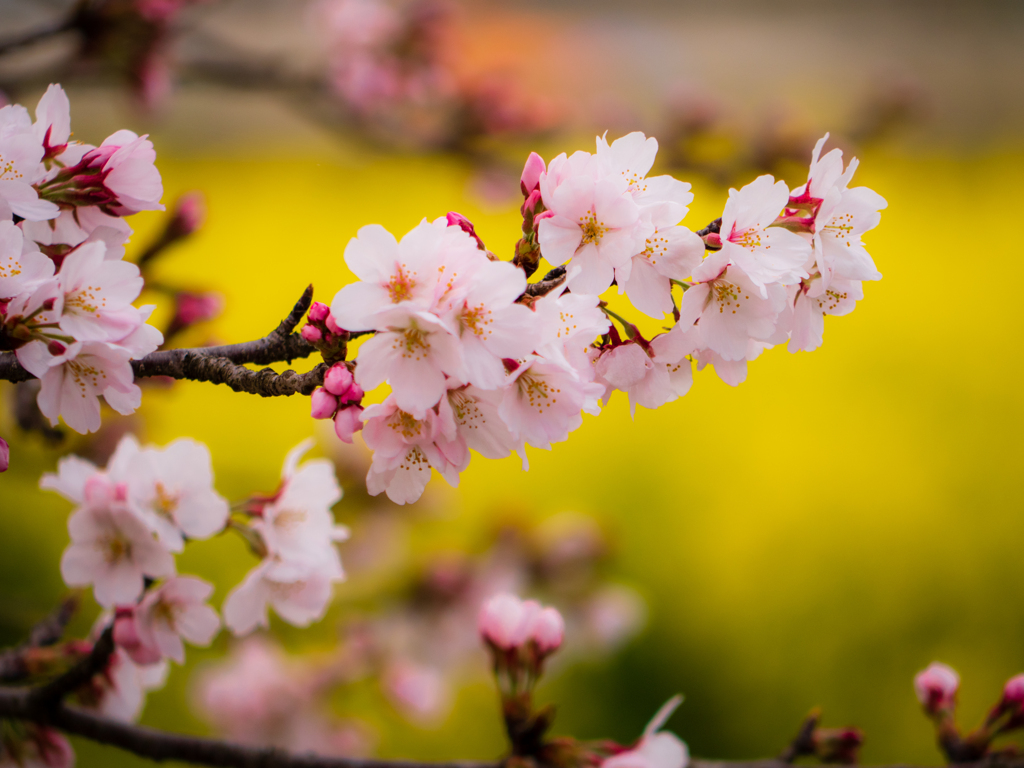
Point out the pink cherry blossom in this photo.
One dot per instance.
(656, 749)
(505, 621)
(5, 455)
(171, 489)
(731, 311)
(477, 422)
(630, 158)
(297, 525)
(532, 170)
(36, 746)
(649, 379)
(120, 692)
(73, 227)
(841, 220)
(419, 691)
(21, 166)
(405, 447)
(97, 295)
(177, 610)
(52, 128)
(766, 254)
(298, 599)
(20, 271)
(544, 402)
(1013, 692)
(111, 549)
(936, 687)
(569, 323)
(130, 174)
(338, 379)
(670, 252)
(594, 224)
(809, 310)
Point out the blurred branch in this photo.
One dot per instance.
(803, 742)
(226, 364)
(46, 696)
(37, 35)
(47, 632)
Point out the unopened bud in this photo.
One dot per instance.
(505, 620)
(547, 630)
(936, 688)
(1013, 692)
(311, 333)
(324, 404)
(460, 221)
(5, 455)
(347, 422)
(189, 213)
(56, 349)
(319, 312)
(353, 395)
(837, 745)
(338, 379)
(531, 173)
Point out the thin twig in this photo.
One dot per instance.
(52, 693)
(13, 662)
(36, 35)
(803, 742)
(551, 281)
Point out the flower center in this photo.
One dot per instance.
(165, 503)
(727, 295)
(413, 342)
(476, 319)
(117, 548)
(84, 301)
(407, 425)
(593, 230)
(748, 238)
(401, 285)
(538, 393)
(841, 228)
(7, 170)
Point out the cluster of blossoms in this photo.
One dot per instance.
(131, 519)
(936, 688)
(419, 645)
(476, 358)
(65, 292)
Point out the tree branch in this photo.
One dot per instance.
(551, 281)
(36, 35)
(52, 693)
(226, 364)
(13, 662)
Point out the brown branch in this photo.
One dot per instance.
(551, 281)
(803, 742)
(47, 696)
(36, 35)
(226, 364)
(13, 662)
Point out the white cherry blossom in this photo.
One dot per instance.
(21, 271)
(97, 295)
(21, 166)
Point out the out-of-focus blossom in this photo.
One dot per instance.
(936, 687)
(422, 693)
(656, 748)
(169, 613)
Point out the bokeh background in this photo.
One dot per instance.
(813, 537)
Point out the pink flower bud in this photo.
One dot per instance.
(347, 422)
(532, 202)
(324, 404)
(338, 379)
(353, 395)
(458, 220)
(332, 326)
(936, 687)
(5, 455)
(190, 212)
(547, 630)
(192, 308)
(1013, 691)
(318, 312)
(505, 620)
(311, 333)
(531, 173)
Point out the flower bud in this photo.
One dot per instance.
(531, 173)
(458, 220)
(338, 379)
(311, 333)
(1013, 692)
(505, 620)
(318, 312)
(347, 422)
(5, 455)
(353, 395)
(547, 630)
(936, 688)
(324, 404)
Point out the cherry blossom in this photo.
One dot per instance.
(20, 271)
(171, 489)
(419, 691)
(97, 295)
(671, 252)
(547, 630)
(592, 222)
(5, 455)
(37, 746)
(631, 157)
(405, 447)
(111, 549)
(505, 621)
(731, 311)
(299, 600)
(120, 691)
(841, 220)
(21, 166)
(649, 379)
(766, 254)
(809, 310)
(656, 749)
(477, 421)
(173, 611)
(296, 524)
